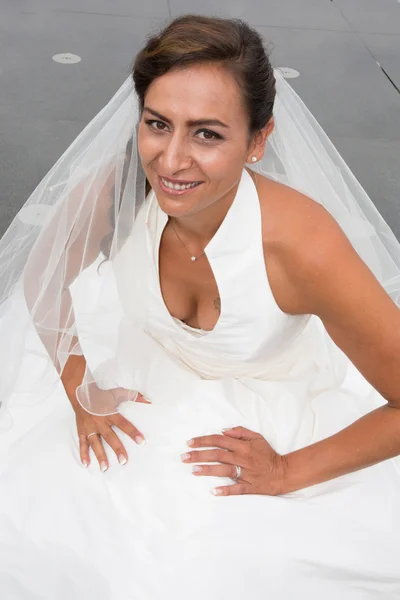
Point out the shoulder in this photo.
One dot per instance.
(302, 242)
(285, 210)
(313, 269)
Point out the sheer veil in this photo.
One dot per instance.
(58, 293)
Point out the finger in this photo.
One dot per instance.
(128, 394)
(128, 428)
(242, 432)
(222, 456)
(141, 398)
(236, 489)
(208, 441)
(84, 449)
(98, 448)
(115, 443)
(216, 471)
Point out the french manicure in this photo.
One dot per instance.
(197, 469)
(103, 466)
(139, 440)
(85, 463)
(121, 459)
(185, 456)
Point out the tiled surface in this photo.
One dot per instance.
(339, 81)
(306, 14)
(386, 50)
(128, 8)
(29, 147)
(376, 163)
(335, 45)
(371, 16)
(34, 86)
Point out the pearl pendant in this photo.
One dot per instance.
(192, 258)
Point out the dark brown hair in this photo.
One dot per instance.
(231, 43)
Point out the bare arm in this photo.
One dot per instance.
(66, 246)
(327, 278)
(61, 252)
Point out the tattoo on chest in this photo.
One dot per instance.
(217, 304)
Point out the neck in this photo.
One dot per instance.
(202, 226)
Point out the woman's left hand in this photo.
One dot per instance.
(262, 469)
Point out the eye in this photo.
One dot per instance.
(209, 135)
(156, 125)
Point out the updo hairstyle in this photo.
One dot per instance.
(230, 43)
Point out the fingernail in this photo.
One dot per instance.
(217, 492)
(185, 456)
(121, 459)
(197, 469)
(227, 429)
(103, 466)
(85, 463)
(190, 442)
(139, 440)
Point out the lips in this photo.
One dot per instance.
(177, 186)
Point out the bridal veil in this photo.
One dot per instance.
(82, 212)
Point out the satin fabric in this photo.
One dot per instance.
(151, 529)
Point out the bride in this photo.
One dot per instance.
(202, 278)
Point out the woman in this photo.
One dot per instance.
(263, 348)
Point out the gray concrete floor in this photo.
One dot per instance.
(347, 53)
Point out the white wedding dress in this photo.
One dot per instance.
(151, 530)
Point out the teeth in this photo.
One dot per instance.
(176, 186)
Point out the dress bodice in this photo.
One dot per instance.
(251, 329)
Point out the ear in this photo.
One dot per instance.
(257, 145)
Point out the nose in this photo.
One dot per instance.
(175, 156)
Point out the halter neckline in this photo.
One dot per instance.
(218, 245)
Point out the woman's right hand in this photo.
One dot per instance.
(87, 423)
(103, 427)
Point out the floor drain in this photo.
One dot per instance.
(288, 73)
(66, 58)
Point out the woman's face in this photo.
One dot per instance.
(193, 138)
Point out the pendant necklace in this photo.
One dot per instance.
(192, 258)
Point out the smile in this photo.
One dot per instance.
(177, 188)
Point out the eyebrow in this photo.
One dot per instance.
(191, 123)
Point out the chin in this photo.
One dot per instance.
(176, 207)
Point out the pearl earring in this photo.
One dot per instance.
(254, 158)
